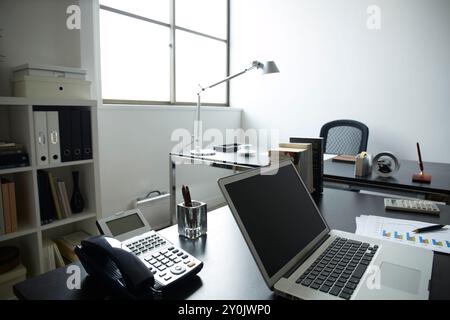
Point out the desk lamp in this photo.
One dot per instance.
(267, 68)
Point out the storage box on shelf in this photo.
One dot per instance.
(39, 81)
(17, 124)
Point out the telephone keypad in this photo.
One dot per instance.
(167, 263)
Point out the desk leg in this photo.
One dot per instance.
(173, 190)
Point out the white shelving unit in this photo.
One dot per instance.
(16, 124)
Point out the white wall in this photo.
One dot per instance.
(135, 142)
(396, 80)
(35, 32)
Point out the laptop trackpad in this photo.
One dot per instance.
(400, 277)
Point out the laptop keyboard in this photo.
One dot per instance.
(338, 270)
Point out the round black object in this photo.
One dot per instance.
(9, 258)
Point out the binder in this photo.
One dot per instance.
(54, 148)
(2, 218)
(75, 117)
(65, 135)
(46, 205)
(86, 137)
(40, 134)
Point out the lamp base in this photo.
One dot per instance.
(203, 152)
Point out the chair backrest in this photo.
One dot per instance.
(345, 137)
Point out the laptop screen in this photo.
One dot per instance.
(278, 215)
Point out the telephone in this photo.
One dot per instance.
(117, 267)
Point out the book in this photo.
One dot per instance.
(14, 160)
(317, 150)
(48, 255)
(55, 197)
(300, 155)
(2, 218)
(13, 205)
(64, 198)
(51, 254)
(6, 144)
(6, 207)
(66, 244)
(59, 260)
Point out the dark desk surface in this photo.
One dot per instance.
(229, 270)
(440, 183)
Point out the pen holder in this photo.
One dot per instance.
(192, 220)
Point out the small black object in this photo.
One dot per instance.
(232, 147)
(9, 258)
(77, 201)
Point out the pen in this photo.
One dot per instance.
(184, 193)
(188, 197)
(430, 228)
(420, 157)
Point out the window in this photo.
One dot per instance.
(160, 51)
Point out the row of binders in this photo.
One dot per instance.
(8, 209)
(53, 198)
(62, 135)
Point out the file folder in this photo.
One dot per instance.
(53, 137)
(86, 137)
(77, 146)
(65, 135)
(40, 134)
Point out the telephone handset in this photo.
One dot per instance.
(117, 267)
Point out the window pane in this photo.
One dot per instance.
(153, 9)
(205, 16)
(135, 58)
(200, 60)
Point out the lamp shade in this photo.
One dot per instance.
(270, 67)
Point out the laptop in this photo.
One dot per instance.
(300, 257)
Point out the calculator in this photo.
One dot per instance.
(421, 206)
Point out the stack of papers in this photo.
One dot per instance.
(400, 231)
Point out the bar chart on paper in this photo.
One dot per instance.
(398, 230)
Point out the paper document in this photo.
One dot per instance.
(400, 231)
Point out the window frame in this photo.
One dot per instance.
(172, 43)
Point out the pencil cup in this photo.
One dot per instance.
(192, 220)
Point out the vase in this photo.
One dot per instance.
(77, 201)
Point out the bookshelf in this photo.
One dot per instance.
(17, 124)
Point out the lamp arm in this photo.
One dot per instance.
(255, 64)
(196, 135)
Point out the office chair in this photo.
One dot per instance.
(344, 137)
